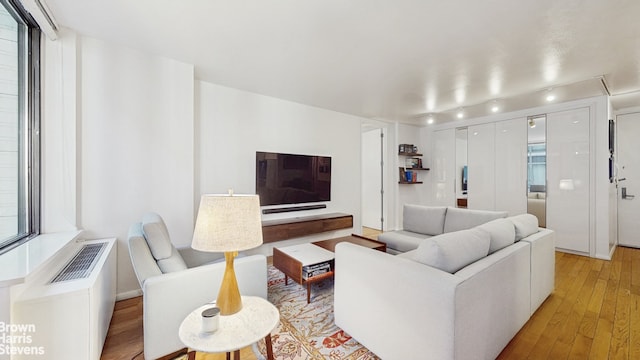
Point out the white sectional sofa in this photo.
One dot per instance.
(459, 295)
(422, 222)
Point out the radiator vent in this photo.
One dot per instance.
(82, 264)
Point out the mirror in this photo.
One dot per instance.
(461, 167)
(537, 168)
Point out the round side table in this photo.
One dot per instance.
(255, 321)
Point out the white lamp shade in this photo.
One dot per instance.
(228, 223)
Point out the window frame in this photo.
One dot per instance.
(29, 113)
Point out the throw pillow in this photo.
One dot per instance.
(451, 252)
(525, 225)
(502, 233)
(157, 236)
(420, 219)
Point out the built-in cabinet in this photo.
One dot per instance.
(511, 166)
(569, 178)
(497, 172)
(481, 190)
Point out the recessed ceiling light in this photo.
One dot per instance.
(460, 114)
(495, 106)
(430, 120)
(550, 97)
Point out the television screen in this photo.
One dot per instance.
(292, 179)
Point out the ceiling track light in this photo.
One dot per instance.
(532, 123)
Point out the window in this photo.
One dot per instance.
(19, 125)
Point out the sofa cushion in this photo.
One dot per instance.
(451, 252)
(157, 236)
(428, 220)
(462, 219)
(525, 225)
(501, 232)
(402, 241)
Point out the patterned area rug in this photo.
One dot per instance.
(307, 331)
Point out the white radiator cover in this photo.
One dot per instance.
(71, 318)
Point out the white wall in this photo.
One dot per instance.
(120, 138)
(126, 140)
(371, 179)
(408, 193)
(233, 124)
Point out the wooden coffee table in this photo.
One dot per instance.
(292, 259)
(354, 239)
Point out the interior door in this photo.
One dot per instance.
(628, 160)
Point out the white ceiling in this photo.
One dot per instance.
(393, 60)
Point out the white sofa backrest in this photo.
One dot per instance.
(453, 251)
(525, 225)
(428, 220)
(502, 233)
(462, 219)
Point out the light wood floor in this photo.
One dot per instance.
(594, 313)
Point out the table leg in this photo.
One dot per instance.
(236, 355)
(308, 292)
(228, 356)
(267, 341)
(286, 279)
(191, 355)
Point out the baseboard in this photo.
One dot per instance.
(128, 294)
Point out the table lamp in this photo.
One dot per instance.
(228, 223)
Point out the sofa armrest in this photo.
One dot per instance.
(543, 262)
(169, 298)
(377, 294)
(195, 258)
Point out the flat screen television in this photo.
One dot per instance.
(292, 178)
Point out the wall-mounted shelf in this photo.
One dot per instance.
(409, 154)
(409, 183)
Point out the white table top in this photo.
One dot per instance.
(308, 254)
(254, 322)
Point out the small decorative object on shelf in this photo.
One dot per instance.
(407, 149)
(403, 175)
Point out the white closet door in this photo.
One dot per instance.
(511, 166)
(481, 168)
(568, 178)
(442, 171)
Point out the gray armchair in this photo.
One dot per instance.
(174, 282)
